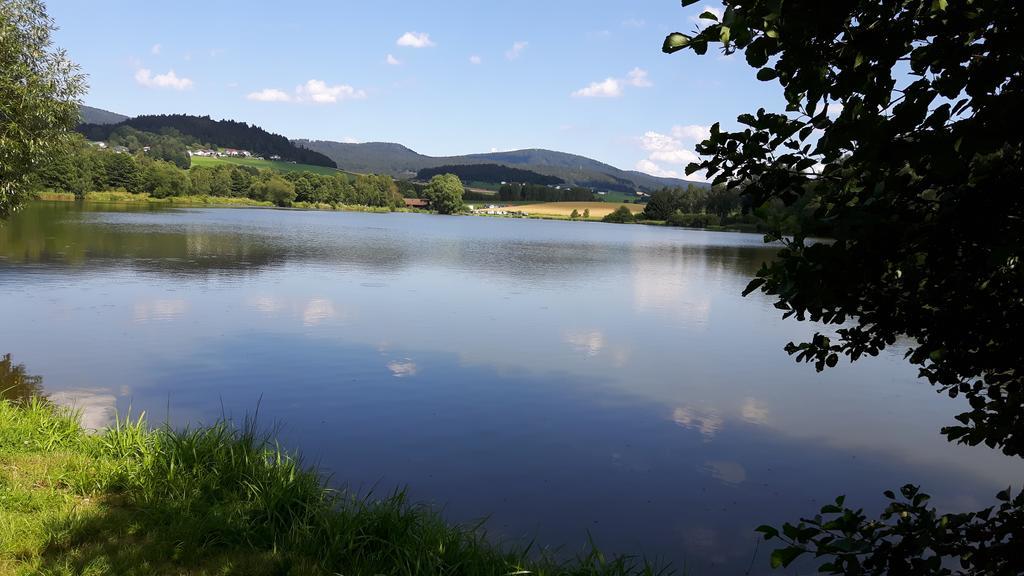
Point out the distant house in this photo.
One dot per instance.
(145, 148)
(120, 150)
(417, 203)
(100, 145)
(275, 157)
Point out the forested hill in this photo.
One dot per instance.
(572, 169)
(220, 133)
(492, 173)
(92, 115)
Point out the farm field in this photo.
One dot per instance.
(597, 209)
(263, 164)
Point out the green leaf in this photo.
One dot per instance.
(724, 32)
(753, 285)
(784, 556)
(939, 5)
(767, 74)
(768, 531)
(1004, 496)
(689, 2)
(708, 15)
(675, 42)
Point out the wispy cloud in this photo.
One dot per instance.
(155, 50)
(474, 59)
(145, 77)
(517, 49)
(415, 40)
(391, 60)
(315, 91)
(638, 77)
(269, 95)
(614, 87)
(634, 23)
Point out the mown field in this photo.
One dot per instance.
(597, 209)
(263, 164)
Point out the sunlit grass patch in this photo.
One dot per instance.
(222, 499)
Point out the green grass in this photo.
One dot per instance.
(120, 196)
(264, 164)
(217, 500)
(616, 196)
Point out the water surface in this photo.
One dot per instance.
(559, 378)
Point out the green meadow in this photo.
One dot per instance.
(280, 166)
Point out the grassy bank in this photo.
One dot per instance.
(216, 500)
(121, 197)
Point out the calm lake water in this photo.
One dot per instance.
(559, 378)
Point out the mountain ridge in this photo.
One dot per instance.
(400, 161)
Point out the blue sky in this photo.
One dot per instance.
(451, 77)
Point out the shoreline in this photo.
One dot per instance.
(219, 499)
(242, 202)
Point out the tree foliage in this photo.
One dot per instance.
(902, 119)
(445, 193)
(904, 116)
(39, 90)
(621, 215)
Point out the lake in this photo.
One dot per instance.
(558, 378)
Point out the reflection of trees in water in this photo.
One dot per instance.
(66, 234)
(61, 234)
(15, 383)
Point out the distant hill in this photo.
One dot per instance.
(220, 133)
(92, 115)
(490, 173)
(574, 170)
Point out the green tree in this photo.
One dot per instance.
(121, 171)
(39, 90)
(275, 189)
(575, 214)
(903, 118)
(163, 179)
(620, 215)
(445, 193)
(586, 213)
(662, 204)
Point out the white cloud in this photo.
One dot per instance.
(316, 91)
(145, 77)
(474, 59)
(392, 60)
(634, 23)
(649, 167)
(613, 87)
(607, 88)
(155, 49)
(667, 157)
(269, 95)
(516, 50)
(638, 77)
(350, 140)
(320, 92)
(415, 40)
(692, 132)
